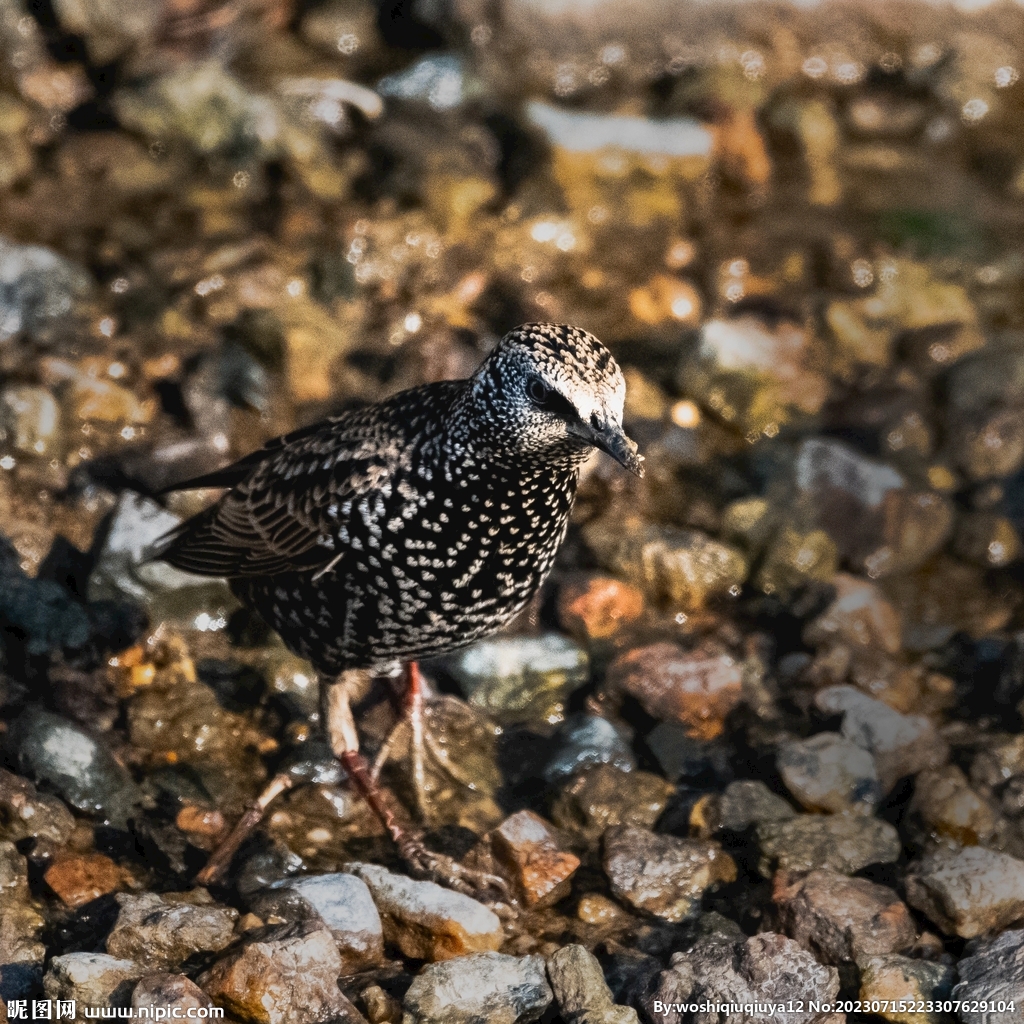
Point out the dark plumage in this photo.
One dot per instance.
(417, 525)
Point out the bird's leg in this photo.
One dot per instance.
(413, 713)
(424, 863)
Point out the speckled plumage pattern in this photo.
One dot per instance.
(412, 527)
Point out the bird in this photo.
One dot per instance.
(408, 529)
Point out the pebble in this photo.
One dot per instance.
(846, 843)
(949, 807)
(842, 919)
(62, 755)
(893, 979)
(80, 878)
(967, 891)
(681, 756)
(285, 975)
(581, 993)
(521, 678)
(795, 559)
(900, 745)
(528, 851)
(993, 970)
(427, 921)
(38, 289)
(697, 689)
(21, 952)
(26, 814)
(765, 968)
(344, 903)
(482, 988)
(91, 979)
(161, 931)
(859, 615)
(663, 875)
(749, 802)
(585, 740)
(603, 796)
(29, 420)
(599, 607)
(171, 991)
(830, 773)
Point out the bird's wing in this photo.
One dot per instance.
(292, 505)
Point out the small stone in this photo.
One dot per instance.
(842, 919)
(586, 740)
(582, 994)
(892, 979)
(173, 991)
(603, 796)
(992, 971)
(288, 975)
(599, 607)
(794, 559)
(682, 756)
(597, 909)
(697, 689)
(859, 615)
(663, 875)
(91, 979)
(427, 921)
(750, 802)
(103, 401)
(948, 806)
(968, 891)
(829, 773)
(20, 921)
(38, 289)
(80, 878)
(59, 753)
(846, 843)
(528, 851)
(26, 814)
(483, 988)
(685, 568)
(765, 968)
(988, 540)
(381, 1008)
(521, 678)
(29, 420)
(160, 932)
(900, 745)
(345, 905)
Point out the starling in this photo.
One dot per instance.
(415, 526)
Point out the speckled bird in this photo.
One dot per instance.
(415, 526)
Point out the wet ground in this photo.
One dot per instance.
(761, 739)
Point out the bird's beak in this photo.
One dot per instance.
(612, 440)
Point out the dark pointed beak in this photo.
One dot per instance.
(612, 440)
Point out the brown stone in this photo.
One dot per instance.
(841, 919)
(83, 877)
(526, 849)
(948, 806)
(599, 607)
(697, 689)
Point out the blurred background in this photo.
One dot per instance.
(798, 228)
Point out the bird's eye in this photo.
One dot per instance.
(538, 391)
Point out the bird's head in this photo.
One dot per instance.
(552, 387)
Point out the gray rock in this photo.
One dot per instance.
(173, 991)
(122, 571)
(521, 678)
(26, 814)
(830, 773)
(968, 891)
(663, 875)
(681, 756)
(29, 420)
(437, 79)
(841, 842)
(749, 802)
(766, 968)
(586, 740)
(91, 979)
(483, 988)
(60, 754)
(992, 970)
(427, 921)
(343, 902)
(603, 796)
(842, 919)
(162, 931)
(582, 994)
(900, 745)
(38, 289)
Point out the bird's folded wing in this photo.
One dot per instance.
(293, 509)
